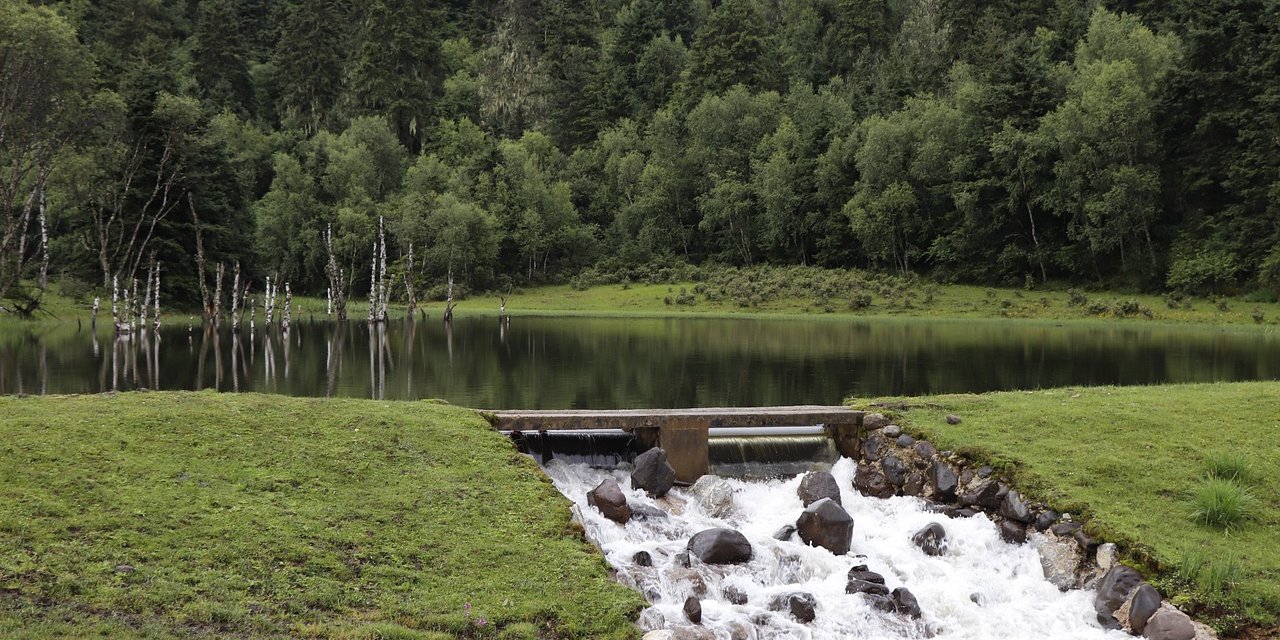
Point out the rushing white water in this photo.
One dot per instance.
(981, 588)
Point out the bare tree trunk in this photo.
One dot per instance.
(235, 300)
(337, 290)
(448, 306)
(206, 307)
(288, 313)
(217, 296)
(408, 286)
(44, 233)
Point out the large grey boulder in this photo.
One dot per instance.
(930, 539)
(720, 546)
(714, 495)
(608, 498)
(817, 485)
(1169, 624)
(653, 472)
(1113, 591)
(826, 524)
(1144, 603)
(870, 481)
(944, 481)
(1059, 557)
(1015, 508)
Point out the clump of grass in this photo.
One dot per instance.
(1231, 466)
(1216, 577)
(1222, 504)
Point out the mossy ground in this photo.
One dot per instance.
(264, 516)
(1131, 459)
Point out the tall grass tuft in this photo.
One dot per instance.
(1230, 466)
(1222, 504)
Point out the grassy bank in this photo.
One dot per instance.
(196, 514)
(1134, 459)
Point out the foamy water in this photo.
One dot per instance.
(1013, 598)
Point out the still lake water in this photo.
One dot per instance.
(602, 363)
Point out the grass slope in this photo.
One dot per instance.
(1132, 459)
(265, 516)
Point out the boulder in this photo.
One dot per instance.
(817, 485)
(693, 610)
(734, 595)
(944, 481)
(826, 524)
(905, 441)
(653, 472)
(870, 481)
(894, 470)
(984, 492)
(651, 619)
(1046, 519)
(608, 498)
(866, 586)
(681, 559)
(1014, 508)
(1107, 555)
(642, 559)
(860, 572)
(1169, 624)
(802, 606)
(785, 532)
(871, 447)
(953, 419)
(905, 602)
(1114, 590)
(873, 421)
(892, 431)
(925, 450)
(1060, 559)
(930, 539)
(714, 495)
(641, 511)
(1144, 603)
(1013, 532)
(659, 634)
(1066, 529)
(914, 485)
(720, 546)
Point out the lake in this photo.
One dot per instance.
(602, 363)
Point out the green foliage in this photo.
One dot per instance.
(1222, 504)
(1233, 467)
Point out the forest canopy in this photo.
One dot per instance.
(1129, 143)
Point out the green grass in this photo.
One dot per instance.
(265, 516)
(1232, 466)
(1131, 460)
(1222, 504)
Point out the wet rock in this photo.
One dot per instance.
(860, 572)
(930, 539)
(978, 599)
(653, 472)
(802, 606)
(1059, 558)
(1144, 603)
(651, 619)
(1066, 529)
(641, 511)
(872, 446)
(1013, 507)
(894, 470)
(944, 481)
(785, 532)
(871, 481)
(873, 421)
(1013, 532)
(671, 503)
(714, 495)
(693, 610)
(925, 450)
(865, 586)
(692, 633)
(826, 524)
(720, 546)
(892, 431)
(681, 559)
(642, 559)
(817, 485)
(1085, 541)
(734, 595)
(905, 441)
(609, 499)
(914, 485)
(905, 602)
(1106, 555)
(1169, 624)
(691, 578)
(953, 419)
(658, 634)
(1046, 519)
(982, 493)
(1114, 589)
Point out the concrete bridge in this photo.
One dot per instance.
(683, 433)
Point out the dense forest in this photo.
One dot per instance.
(1131, 144)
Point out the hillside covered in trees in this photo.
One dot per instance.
(1130, 144)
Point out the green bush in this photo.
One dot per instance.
(1222, 504)
(1202, 270)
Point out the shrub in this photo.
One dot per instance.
(1075, 298)
(1202, 271)
(1230, 466)
(1222, 504)
(859, 301)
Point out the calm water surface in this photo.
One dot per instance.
(624, 363)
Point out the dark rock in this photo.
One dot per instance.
(817, 485)
(930, 539)
(905, 441)
(826, 524)
(1145, 602)
(1015, 508)
(872, 482)
(914, 486)
(693, 610)
(873, 421)
(983, 493)
(985, 471)
(641, 511)
(734, 595)
(1012, 531)
(1085, 541)
(1065, 529)
(978, 599)
(905, 602)
(1045, 519)
(642, 559)
(894, 470)
(892, 431)
(925, 450)
(653, 472)
(1169, 624)
(1114, 589)
(871, 447)
(860, 572)
(961, 512)
(1109, 622)
(943, 478)
(609, 499)
(720, 546)
(682, 559)
(953, 419)
(866, 586)
(802, 606)
(966, 476)
(883, 603)
(785, 532)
